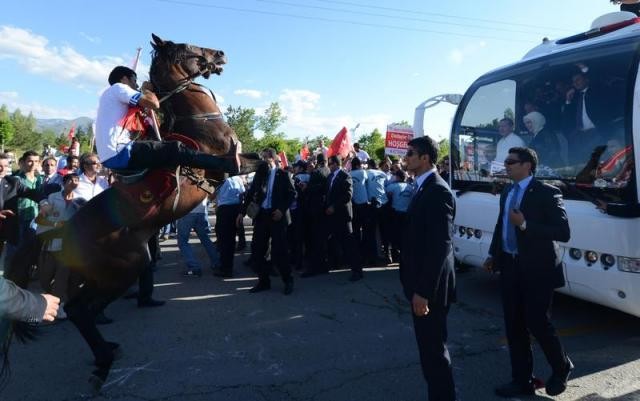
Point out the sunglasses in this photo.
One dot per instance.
(411, 153)
(510, 162)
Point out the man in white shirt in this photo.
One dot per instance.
(509, 140)
(360, 153)
(113, 140)
(90, 183)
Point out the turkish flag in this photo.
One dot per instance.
(72, 132)
(283, 160)
(304, 152)
(341, 144)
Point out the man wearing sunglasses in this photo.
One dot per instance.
(523, 249)
(426, 265)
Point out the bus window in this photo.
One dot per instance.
(488, 132)
(570, 108)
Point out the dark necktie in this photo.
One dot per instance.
(579, 110)
(512, 244)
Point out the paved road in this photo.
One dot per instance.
(330, 340)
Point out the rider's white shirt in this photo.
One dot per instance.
(114, 103)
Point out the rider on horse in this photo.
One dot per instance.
(120, 152)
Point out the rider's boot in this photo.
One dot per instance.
(229, 163)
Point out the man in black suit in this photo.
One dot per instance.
(523, 250)
(273, 190)
(316, 193)
(339, 213)
(589, 111)
(426, 265)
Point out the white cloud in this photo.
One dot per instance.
(8, 95)
(457, 56)
(38, 56)
(92, 39)
(13, 101)
(251, 93)
(304, 116)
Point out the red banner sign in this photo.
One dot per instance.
(396, 141)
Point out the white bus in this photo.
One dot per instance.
(586, 88)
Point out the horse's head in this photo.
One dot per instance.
(192, 60)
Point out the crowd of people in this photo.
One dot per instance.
(320, 214)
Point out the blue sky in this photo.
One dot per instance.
(328, 63)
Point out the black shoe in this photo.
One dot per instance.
(515, 389)
(261, 286)
(149, 303)
(288, 287)
(355, 276)
(557, 383)
(101, 318)
(222, 273)
(131, 295)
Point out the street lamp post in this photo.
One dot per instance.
(418, 119)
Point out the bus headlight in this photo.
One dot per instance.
(630, 265)
(462, 230)
(607, 260)
(469, 232)
(591, 257)
(575, 253)
(477, 234)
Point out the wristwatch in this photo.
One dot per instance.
(523, 226)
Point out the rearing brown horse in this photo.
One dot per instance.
(105, 243)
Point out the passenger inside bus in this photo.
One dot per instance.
(545, 142)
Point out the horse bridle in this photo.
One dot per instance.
(187, 82)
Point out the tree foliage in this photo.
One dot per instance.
(243, 121)
(272, 118)
(373, 144)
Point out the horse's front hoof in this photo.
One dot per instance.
(95, 384)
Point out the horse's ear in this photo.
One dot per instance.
(156, 41)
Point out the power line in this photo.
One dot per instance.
(461, 24)
(402, 28)
(442, 15)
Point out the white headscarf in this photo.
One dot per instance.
(537, 121)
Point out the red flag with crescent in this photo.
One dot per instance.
(341, 144)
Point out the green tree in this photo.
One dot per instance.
(272, 118)
(243, 121)
(373, 144)
(443, 149)
(6, 127)
(25, 136)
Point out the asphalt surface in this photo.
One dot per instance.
(330, 340)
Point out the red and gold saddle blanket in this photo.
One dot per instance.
(147, 194)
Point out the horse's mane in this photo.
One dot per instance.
(164, 56)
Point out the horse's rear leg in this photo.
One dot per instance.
(83, 317)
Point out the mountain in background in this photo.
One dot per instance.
(58, 125)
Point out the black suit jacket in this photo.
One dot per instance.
(600, 104)
(426, 266)
(282, 195)
(339, 197)
(11, 188)
(547, 222)
(317, 190)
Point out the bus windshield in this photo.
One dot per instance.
(573, 109)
